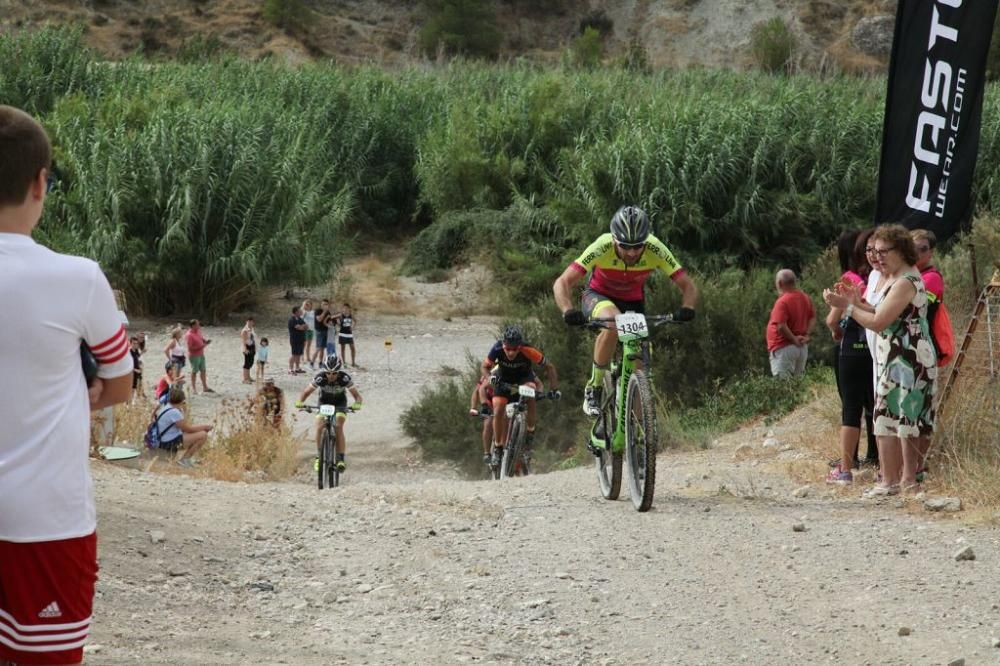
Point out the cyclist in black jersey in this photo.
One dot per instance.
(513, 361)
(333, 385)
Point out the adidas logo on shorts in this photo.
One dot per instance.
(52, 610)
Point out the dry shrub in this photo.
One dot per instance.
(130, 422)
(966, 452)
(243, 447)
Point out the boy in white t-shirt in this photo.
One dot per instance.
(48, 540)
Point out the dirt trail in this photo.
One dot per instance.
(409, 563)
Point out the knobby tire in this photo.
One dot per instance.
(641, 441)
(324, 458)
(515, 444)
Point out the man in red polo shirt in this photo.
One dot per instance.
(792, 318)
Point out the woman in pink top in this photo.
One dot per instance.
(854, 367)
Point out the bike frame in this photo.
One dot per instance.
(633, 350)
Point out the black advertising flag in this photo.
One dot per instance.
(932, 113)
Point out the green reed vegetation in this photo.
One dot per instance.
(197, 184)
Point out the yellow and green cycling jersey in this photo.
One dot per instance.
(610, 276)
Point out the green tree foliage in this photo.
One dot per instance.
(773, 44)
(588, 49)
(461, 27)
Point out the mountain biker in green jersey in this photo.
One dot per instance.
(618, 262)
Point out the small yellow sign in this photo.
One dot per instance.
(388, 344)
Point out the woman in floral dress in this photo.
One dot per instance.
(906, 364)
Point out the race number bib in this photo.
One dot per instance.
(526, 391)
(327, 410)
(631, 326)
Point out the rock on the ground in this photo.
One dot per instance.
(946, 504)
(742, 452)
(904, 631)
(965, 554)
(802, 491)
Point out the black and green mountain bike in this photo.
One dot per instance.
(626, 429)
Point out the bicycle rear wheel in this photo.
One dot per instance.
(640, 441)
(609, 463)
(325, 450)
(514, 447)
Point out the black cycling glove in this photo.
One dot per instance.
(684, 314)
(574, 317)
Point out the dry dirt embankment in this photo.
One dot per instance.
(408, 563)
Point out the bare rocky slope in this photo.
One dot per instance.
(851, 34)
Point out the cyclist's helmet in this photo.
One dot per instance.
(630, 226)
(512, 336)
(334, 364)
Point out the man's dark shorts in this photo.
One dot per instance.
(590, 300)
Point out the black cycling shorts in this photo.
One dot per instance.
(592, 300)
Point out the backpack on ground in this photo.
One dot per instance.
(153, 434)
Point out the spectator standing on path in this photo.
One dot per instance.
(854, 368)
(52, 302)
(346, 335)
(792, 318)
(175, 352)
(297, 340)
(924, 241)
(323, 317)
(263, 351)
(309, 316)
(136, 353)
(196, 344)
(907, 363)
(249, 343)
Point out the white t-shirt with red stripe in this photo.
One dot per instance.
(49, 302)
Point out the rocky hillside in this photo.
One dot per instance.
(848, 34)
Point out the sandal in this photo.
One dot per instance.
(880, 490)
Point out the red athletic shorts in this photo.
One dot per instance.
(46, 599)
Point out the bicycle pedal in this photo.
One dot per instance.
(596, 450)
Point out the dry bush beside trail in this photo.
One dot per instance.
(965, 453)
(243, 447)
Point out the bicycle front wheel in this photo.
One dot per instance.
(325, 456)
(640, 440)
(609, 463)
(514, 447)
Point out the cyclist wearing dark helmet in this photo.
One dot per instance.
(618, 262)
(512, 361)
(333, 384)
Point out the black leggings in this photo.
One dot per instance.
(857, 394)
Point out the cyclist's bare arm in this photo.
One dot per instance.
(551, 376)
(689, 292)
(306, 393)
(562, 289)
(484, 370)
(356, 394)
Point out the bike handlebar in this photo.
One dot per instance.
(608, 322)
(315, 408)
(547, 395)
